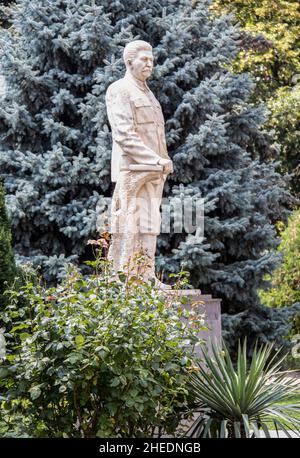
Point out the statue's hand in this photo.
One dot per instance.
(167, 164)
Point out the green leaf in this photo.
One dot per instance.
(79, 341)
(122, 277)
(18, 327)
(35, 392)
(24, 335)
(266, 429)
(4, 372)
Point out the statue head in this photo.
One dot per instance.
(138, 59)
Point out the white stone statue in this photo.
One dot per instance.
(140, 163)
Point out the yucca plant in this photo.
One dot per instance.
(245, 401)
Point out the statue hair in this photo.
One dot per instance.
(132, 48)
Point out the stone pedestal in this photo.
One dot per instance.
(210, 307)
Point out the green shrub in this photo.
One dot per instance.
(285, 290)
(7, 262)
(98, 356)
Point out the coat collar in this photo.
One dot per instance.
(140, 84)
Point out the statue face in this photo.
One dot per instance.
(142, 65)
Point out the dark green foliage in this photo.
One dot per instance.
(7, 262)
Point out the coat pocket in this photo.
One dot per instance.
(144, 112)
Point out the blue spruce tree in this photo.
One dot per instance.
(5, 6)
(56, 143)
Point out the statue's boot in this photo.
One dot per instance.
(148, 244)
